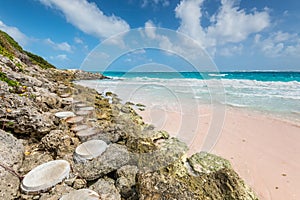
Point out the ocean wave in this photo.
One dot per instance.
(217, 75)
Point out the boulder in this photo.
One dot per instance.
(105, 187)
(11, 156)
(112, 159)
(177, 182)
(126, 181)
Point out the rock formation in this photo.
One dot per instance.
(138, 163)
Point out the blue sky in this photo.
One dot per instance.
(237, 35)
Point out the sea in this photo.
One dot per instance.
(270, 92)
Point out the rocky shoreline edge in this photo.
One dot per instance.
(59, 140)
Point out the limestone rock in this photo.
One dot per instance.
(207, 163)
(126, 181)
(59, 142)
(176, 182)
(85, 194)
(106, 189)
(11, 155)
(112, 159)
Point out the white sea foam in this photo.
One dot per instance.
(267, 95)
(218, 75)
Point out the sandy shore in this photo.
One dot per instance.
(264, 151)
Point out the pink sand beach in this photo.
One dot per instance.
(264, 150)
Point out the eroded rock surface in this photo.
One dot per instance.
(11, 156)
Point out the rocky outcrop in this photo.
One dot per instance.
(38, 124)
(179, 181)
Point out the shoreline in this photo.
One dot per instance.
(256, 145)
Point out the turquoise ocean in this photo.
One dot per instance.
(275, 93)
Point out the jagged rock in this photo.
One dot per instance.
(59, 142)
(33, 160)
(207, 163)
(56, 193)
(176, 182)
(82, 75)
(30, 121)
(51, 100)
(112, 159)
(85, 194)
(20, 115)
(126, 181)
(106, 189)
(11, 155)
(79, 183)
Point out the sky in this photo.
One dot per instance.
(233, 34)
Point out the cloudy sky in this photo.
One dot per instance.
(236, 34)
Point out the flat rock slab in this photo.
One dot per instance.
(83, 112)
(65, 95)
(81, 105)
(77, 128)
(90, 149)
(86, 133)
(85, 194)
(63, 115)
(74, 120)
(45, 176)
(90, 108)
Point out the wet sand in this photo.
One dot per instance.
(264, 150)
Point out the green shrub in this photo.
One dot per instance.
(10, 82)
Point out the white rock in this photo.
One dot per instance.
(65, 95)
(64, 115)
(87, 108)
(45, 176)
(83, 112)
(77, 128)
(74, 120)
(90, 149)
(80, 105)
(81, 194)
(87, 132)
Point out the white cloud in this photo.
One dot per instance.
(189, 12)
(230, 24)
(231, 50)
(64, 46)
(88, 17)
(278, 44)
(78, 40)
(164, 3)
(150, 29)
(14, 32)
(187, 48)
(233, 24)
